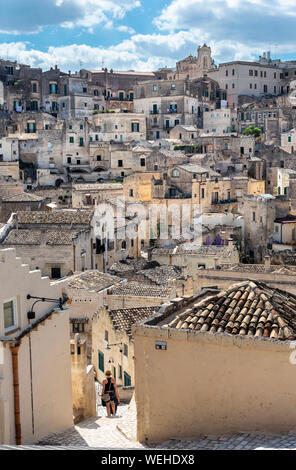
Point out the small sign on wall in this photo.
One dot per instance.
(161, 345)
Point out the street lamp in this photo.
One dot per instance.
(31, 314)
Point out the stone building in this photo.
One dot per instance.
(35, 385)
(117, 87)
(113, 347)
(83, 381)
(200, 337)
(84, 195)
(21, 202)
(275, 275)
(193, 257)
(194, 67)
(259, 213)
(57, 243)
(168, 103)
(247, 78)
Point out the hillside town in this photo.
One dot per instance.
(148, 228)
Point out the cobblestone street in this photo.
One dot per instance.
(119, 432)
(102, 432)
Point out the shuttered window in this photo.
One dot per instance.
(101, 361)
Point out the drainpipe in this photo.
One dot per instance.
(14, 347)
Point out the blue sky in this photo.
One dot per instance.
(143, 34)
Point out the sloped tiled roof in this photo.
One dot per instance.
(23, 237)
(248, 308)
(34, 237)
(260, 268)
(55, 217)
(140, 290)
(61, 237)
(93, 281)
(125, 318)
(23, 197)
(161, 274)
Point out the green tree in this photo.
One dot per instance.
(252, 130)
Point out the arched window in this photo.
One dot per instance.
(175, 174)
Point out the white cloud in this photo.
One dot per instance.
(126, 29)
(31, 16)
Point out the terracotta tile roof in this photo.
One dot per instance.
(124, 319)
(55, 217)
(23, 237)
(260, 268)
(34, 237)
(141, 290)
(162, 274)
(248, 308)
(61, 237)
(23, 197)
(93, 281)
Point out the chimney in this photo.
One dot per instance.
(267, 263)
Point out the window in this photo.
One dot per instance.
(120, 163)
(81, 143)
(69, 160)
(119, 372)
(71, 140)
(127, 380)
(135, 127)
(121, 95)
(233, 85)
(250, 73)
(173, 86)
(78, 327)
(34, 105)
(226, 73)
(34, 87)
(143, 162)
(202, 193)
(53, 88)
(265, 89)
(254, 216)
(154, 87)
(251, 86)
(65, 89)
(70, 127)
(10, 314)
(55, 273)
(106, 336)
(84, 90)
(175, 174)
(31, 127)
(131, 193)
(125, 348)
(101, 361)
(81, 126)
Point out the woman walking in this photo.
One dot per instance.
(109, 393)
